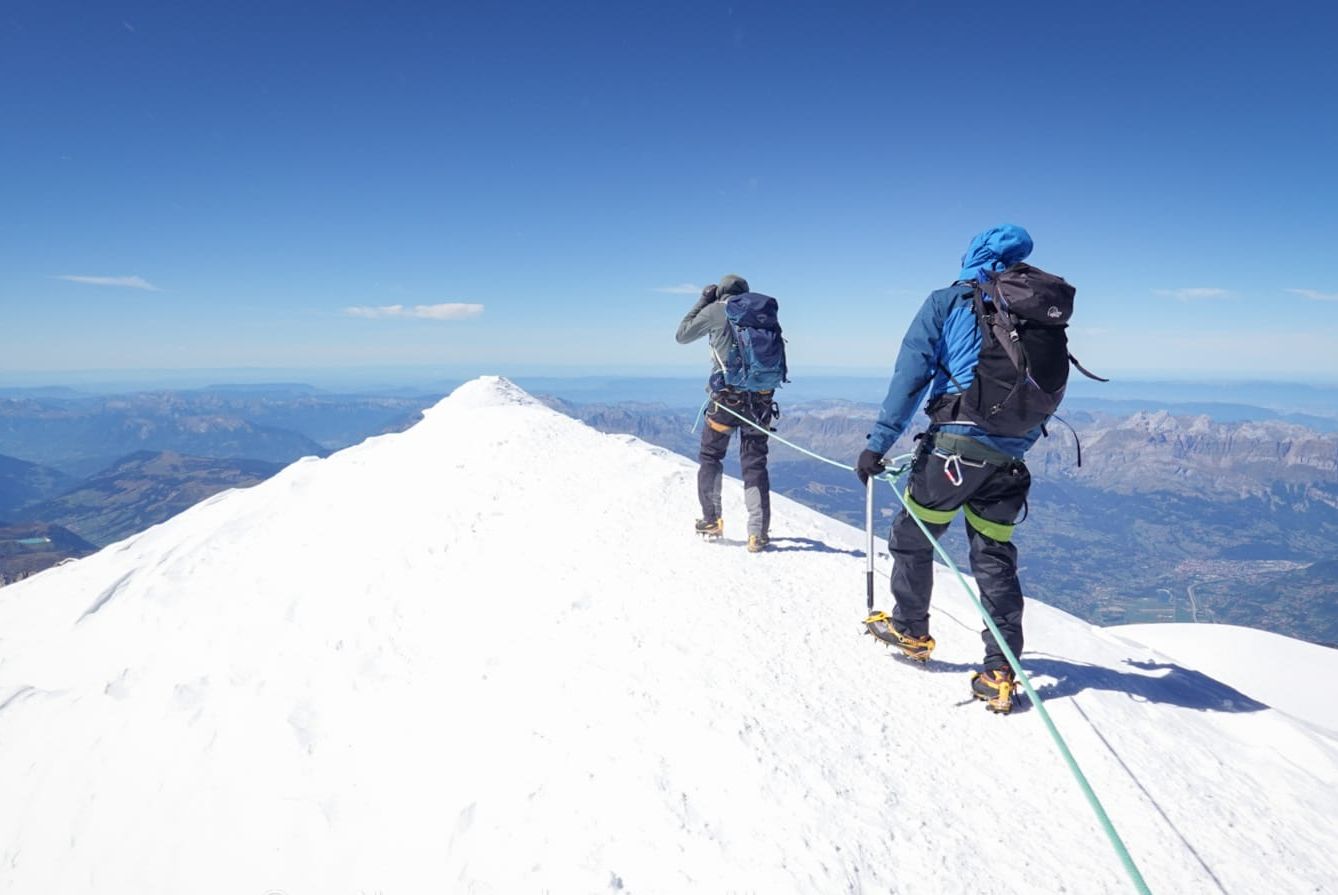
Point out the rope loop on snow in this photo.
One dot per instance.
(891, 477)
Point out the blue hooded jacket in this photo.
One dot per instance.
(942, 345)
(995, 249)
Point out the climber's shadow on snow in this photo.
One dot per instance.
(933, 666)
(808, 545)
(1057, 678)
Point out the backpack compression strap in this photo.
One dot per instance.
(1083, 370)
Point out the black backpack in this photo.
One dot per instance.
(1023, 368)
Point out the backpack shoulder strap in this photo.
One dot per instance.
(978, 305)
(999, 325)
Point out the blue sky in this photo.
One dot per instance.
(524, 187)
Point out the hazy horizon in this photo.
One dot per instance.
(673, 387)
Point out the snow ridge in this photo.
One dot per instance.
(384, 670)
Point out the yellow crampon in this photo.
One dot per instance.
(709, 529)
(879, 624)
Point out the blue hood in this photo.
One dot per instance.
(995, 249)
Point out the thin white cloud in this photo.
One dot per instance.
(1315, 294)
(127, 282)
(450, 311)
(680, 289)
(1195, 293)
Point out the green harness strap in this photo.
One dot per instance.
(999, 531)
(933, 517)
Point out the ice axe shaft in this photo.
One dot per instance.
(868, 540)
(879, 624)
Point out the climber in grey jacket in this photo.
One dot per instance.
(707, 318)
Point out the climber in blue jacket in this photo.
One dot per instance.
(958, 466)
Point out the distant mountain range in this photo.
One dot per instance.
(80, 438)
(84, 434)
(1309, 404)
(144, 489)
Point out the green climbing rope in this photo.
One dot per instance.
(900, 468)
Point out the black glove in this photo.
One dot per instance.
(708, 296)
(869, 464)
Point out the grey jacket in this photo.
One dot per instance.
(707, 320)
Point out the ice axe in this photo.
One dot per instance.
(879, 624)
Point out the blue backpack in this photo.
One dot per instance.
(756, 358)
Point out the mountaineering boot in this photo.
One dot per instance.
(995, 687)
(711, 528)
(758, 543)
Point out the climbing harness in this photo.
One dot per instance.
(760, 405)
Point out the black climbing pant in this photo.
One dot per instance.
(719, 426)
(991, 495)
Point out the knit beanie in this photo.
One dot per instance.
(732, 284)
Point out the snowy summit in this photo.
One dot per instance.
(489, 655)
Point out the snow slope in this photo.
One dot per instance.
(1289, 675)
(487, 655)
